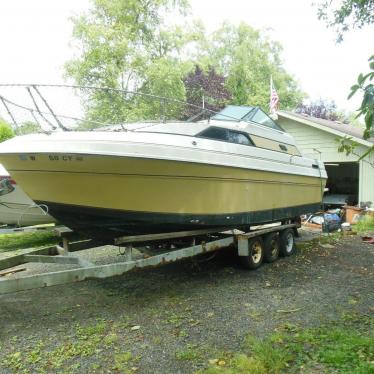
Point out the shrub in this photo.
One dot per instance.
(6, 131)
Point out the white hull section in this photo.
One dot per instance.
(163, 147)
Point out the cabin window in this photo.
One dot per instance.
(226, 135)
(283, 147)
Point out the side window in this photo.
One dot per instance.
(226, 135)
(239, 138)
(217, 133)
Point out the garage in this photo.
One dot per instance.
(349, 176)
(342, 184)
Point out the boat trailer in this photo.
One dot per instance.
(252, 248)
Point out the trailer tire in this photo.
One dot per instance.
(286, 242)
(271, 247)
(256, 254)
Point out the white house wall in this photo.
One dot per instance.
(366, 183)
(308, 139)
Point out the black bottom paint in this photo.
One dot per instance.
(107, 224)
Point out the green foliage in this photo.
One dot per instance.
(366, 87)
(354, 13)
(28, 128)
(127, 45)
(164, 78)
(365, 224)
(347, 14)
(345, 346)
(273, 358)
(10, 242)
(342, 347)
(124, 45)
(98, 342)
(247, 58)
(6, 131)
(191, 353)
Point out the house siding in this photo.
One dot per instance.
(366, 186)
(310, 139)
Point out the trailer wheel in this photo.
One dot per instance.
(256, 254)
(271, 247)
(286, 242)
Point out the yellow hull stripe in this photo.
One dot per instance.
(159, 186)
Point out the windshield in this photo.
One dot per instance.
(246, 113)
(233, 113)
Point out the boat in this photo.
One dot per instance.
(236, 169)
(16, 208)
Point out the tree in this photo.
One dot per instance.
(347, 14)
(354, 13)
(247, 58)
(365, 85)
(164, 79)
(208, 87)
(319, 109)
(28, 127)
(124, 43)
(128, 45)
(6, 131)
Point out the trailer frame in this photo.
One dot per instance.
(87, 270)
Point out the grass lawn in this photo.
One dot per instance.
(22, 240)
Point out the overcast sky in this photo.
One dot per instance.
(35, 38)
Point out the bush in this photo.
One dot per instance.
(6, 131)
(365, 224)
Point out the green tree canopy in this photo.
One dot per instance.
(28, 127)
(124, 44)
(346, 14)
(248, 58)
(6, 131)
(128, 45)
(365, 85)
(349, 14)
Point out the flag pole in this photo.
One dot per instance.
(274, 99)
(271, 90)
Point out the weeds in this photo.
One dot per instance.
(344, 347)
(365, 224)
(88, 341)
(191, 353)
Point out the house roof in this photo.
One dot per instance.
(336, 128)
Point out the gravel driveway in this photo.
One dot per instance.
(173, 319)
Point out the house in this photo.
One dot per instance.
(318, 138)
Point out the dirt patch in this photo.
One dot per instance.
(175, 318)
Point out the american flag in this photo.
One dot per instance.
(274, 98)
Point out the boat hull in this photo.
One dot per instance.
(109, 196)
(106, 224)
